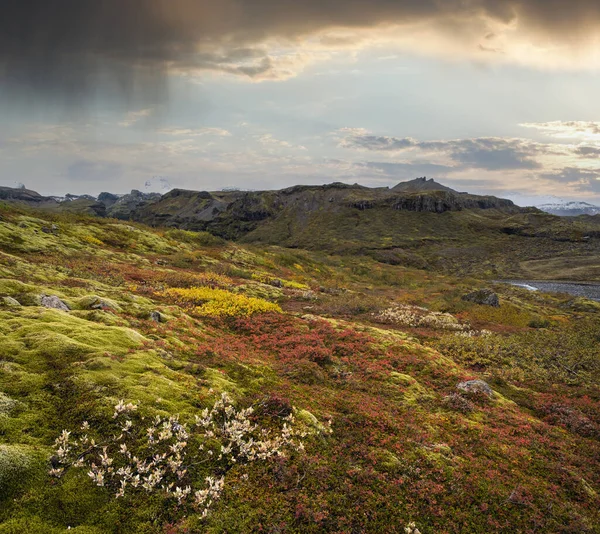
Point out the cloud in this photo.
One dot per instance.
(133, 117)
(406, 170)
(578, 178)
(567, 129)
(589, 152)
(72, 48)
(194, 132)
(93, 171)
(489, 153)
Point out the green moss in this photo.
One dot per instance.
(260, 291)
(412, 391)
(14, 287)
(387, 461)
(216, 380)
(30, 525)
(311, 421)
(18, 465)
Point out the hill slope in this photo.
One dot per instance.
(167, 320)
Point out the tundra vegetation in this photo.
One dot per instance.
(165, 381)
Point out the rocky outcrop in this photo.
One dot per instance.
(126, 206)
(485, 297)
(108, 199)
(476, 387)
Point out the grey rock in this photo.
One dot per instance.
(125, 205)
(51, 301)
(50, 229)
(157, 317)
(476, 386)
(485, 297)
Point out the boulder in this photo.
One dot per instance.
(476, 386)
(51, 301)
(486, 297)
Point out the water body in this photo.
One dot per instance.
(589, 290)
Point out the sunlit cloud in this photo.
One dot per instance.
(583, 130)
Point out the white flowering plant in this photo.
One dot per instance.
(167, 456)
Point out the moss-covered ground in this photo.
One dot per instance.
(406, 445)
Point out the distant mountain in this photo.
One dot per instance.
(570, 209)
(20, 194)
(421, 184)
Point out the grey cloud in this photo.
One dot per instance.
(587, 180)
(407, 170)
(588, 151)
(91, 171)
(482, 153)
(75, 47)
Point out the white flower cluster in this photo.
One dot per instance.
(168, 456)
(416, 316)
(411, 528)
(474, 333)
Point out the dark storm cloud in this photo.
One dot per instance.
(74, 47)
(482, 153)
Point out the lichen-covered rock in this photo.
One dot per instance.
(7, 405)
(485, 297)
(93, 302)
(476, 386)
(10, 302)
(52, 301)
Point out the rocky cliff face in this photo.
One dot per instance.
(124, 207)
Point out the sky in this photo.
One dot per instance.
(487, 96)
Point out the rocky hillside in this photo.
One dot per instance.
(434, 228)
(235, 214)
(163, 381)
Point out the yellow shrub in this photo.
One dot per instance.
(295, 285)
(92, 240)
(222, 303)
